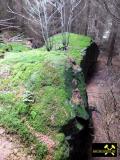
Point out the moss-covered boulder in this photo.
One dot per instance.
(43, 92)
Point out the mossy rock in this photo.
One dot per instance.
(47, 76)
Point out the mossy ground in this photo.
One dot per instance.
(42, 74)
(13, 46)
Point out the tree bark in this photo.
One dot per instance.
(111, 48)
(88, 17)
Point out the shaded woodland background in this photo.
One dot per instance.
(96, 20)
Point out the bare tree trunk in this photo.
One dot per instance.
(88, 16)
(111, 48)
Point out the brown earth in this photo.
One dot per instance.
(104, 96)
(11, 148)
(43, 138)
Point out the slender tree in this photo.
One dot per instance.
(88, 17)
(38, 13)
(66, 9)
(111, 45)
(113, 8)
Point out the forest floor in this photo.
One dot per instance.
(104, 95)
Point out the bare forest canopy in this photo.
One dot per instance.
(96, 18)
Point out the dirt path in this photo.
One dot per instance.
(104, 94)
(11, 148)
(45, 140)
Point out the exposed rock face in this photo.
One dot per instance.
(89, 60)
(80, 138)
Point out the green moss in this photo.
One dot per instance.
(76, 44)
(62, 150)
(45, 119)
(7, 98)
(41, 151)
(13, 46)
(10, 118)
(5, 47)
(24, 57)
(21, 72)
(48, 76)
(60, 137)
